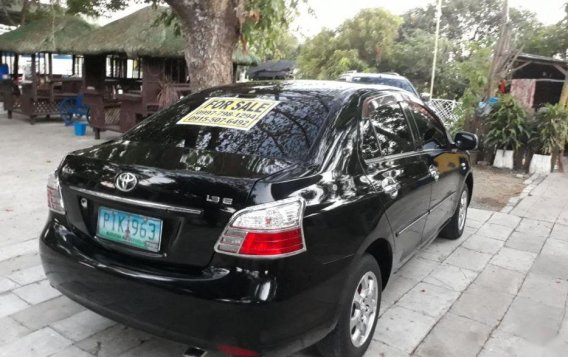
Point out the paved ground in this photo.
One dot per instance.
(501, 290)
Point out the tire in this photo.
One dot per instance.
(455, 227)
(340, 343)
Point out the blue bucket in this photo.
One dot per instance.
(80, 128)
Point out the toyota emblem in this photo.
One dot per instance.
(126, 182)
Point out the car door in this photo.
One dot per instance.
(398, 172)
(443, 165)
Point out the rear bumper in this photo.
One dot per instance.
(253, 307)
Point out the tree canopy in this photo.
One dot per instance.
(404, 44)
(360, 43)
(371, 33)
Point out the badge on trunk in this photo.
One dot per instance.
(126, 182)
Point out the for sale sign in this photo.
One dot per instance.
(233, 113)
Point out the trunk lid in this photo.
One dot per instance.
(194, 192)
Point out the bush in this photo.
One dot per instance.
(551, 129)
(507, 125)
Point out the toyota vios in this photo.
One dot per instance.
(259, 218)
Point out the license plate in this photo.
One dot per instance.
(128, 228)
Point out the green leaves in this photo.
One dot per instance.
(266, 25)
(340, 62)
(371, 33)
(360, 43)
(507, 126)
(315, 54)
(551, 130)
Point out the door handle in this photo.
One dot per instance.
(434, 173)
(390, 187)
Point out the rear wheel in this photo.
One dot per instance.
(359, 313)
(456, 226)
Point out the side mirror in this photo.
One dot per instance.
(425, 97)
(466, 141)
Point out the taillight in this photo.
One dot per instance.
(236, 351)
(54, 199)
(269, 230)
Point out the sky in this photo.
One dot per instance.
(331, 13)
(331, 16)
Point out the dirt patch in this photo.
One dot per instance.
(493, 187)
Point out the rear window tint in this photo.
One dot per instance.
(287, 132)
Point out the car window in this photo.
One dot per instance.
(389, 125)
(287, 132)
(431, 134)
(369, 143)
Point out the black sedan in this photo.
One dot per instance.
(259, 218)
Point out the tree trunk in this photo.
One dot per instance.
(560, 158)
(564, 95)
(528, 158)
(518, 156)
(211, 31)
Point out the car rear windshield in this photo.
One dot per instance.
(287, 132)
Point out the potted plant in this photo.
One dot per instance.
(550, 136)
(506, 130)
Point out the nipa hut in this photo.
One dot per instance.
(118, 99)
(40, 94)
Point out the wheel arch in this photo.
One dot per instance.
(381, 250)
(469, 183)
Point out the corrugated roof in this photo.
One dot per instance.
(542, 59)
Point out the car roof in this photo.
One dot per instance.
(386, 76)
(330, 89)
(379, 75)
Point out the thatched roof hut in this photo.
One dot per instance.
(140, 34)
(44, 35)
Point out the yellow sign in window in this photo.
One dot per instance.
(233, 113)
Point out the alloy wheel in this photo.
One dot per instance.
(462, 214)
(363, 309)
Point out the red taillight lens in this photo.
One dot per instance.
(237, 351)
(267, 243)
(270, 230)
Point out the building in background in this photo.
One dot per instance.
(538, 80)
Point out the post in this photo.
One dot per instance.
(15, 70)
(564, 96)
(34, 77)
(72, 65)
(498, 65)
(500, 50)
(50, 63)
(438, 19)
